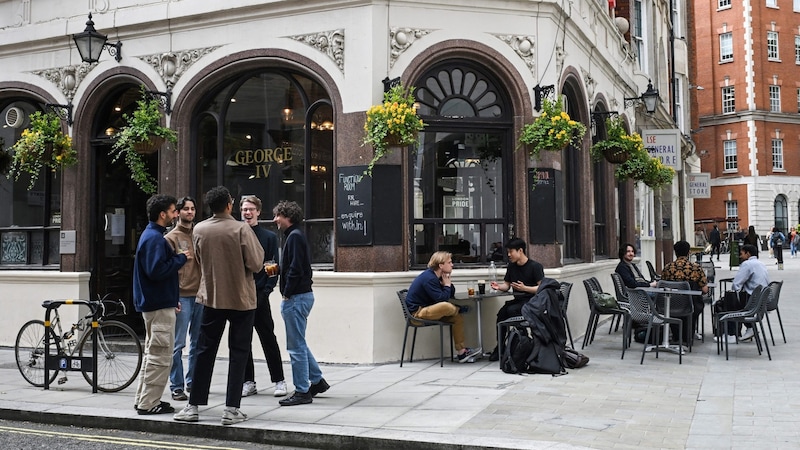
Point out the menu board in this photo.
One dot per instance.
(353, 206)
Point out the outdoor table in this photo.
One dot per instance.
(478, 298)
(667, 296)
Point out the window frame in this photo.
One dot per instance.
(730, 158)
(732, 215)
(777, 156)
(728, 100)
(723, 4)
(773, 46)
(774, 98)
(726, 47)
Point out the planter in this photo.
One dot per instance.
(150, 146)
(393, 140)
(615, 155)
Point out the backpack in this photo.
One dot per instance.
(574, 359)
(543, 313)
(516, 350)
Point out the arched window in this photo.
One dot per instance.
(269, 133)
(781, 213)
(460, 173)
(574, 197)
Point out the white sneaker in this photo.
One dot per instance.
(280, 389)
(249, 388)
(748, 334)
(698, 336)
(730, 339)
(231, 416)
(187, 414)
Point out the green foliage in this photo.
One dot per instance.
(553, 130)
(43, 144)
(617, 140)
(141, 126)
(640, 166)
(393, 122)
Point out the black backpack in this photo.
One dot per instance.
(516, 351)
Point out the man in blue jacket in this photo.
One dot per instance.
(155, 295)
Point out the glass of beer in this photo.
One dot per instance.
(271, 267)
(471, 289)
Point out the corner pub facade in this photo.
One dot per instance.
(269, 98)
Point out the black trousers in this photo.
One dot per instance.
(240, 335)
(265, 328)
(777, 250)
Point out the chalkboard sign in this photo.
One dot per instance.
(387, 200)
(353, 206)
(544, 206)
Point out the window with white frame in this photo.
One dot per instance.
(677, 23)
(729, 156)
(798, 100)
(637, 36)
(726, 46)
(774, 98)
(777, 154)
(732, 214)
(772, 3)
(724, 4)
(796, 6)
(728, 100)
(797, 49)
(772, 45)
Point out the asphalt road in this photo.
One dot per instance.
(27, 435)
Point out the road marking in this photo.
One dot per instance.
(111, 439)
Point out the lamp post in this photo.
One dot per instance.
(90, 44)
(650, 98)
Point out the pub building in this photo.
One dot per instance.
(269, 99)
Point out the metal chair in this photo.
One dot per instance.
(753, 313)
(772, 305)
(653, 275)
(638, 299)
(566, 289)
(595, 311)
(413, 322)
(711, 276)
(681, 306)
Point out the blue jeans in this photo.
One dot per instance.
(188, 319)
(305, 370)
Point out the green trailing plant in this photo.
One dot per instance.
(42, 144)
(553, 130)
(393, 122)
(640, 166)
(618, 144)
(142, 129)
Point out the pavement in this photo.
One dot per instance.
(612, 403)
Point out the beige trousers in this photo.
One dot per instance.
(159, 329)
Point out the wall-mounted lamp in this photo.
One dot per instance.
(64, 112)
(90, 44)
(389, 83)
(650, 98)
(541, 92)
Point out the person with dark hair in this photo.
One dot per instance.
(629, 272)
(250, 207)
(155, 295)
(429, 298)
(523, 275)
(777, 239)
(228, 253)
(715, 239)
(684, 270)
(751, 273)
(298, 299)
(191, 313)
(752, 237)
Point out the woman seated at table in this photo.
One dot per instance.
(429, 298)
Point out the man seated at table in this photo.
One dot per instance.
(523, 275)
(752, 272)
(684, 270)
(429, 298)
(629, 272)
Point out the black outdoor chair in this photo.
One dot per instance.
(644, 306)
(653, 275)
(595, 311)
(752, 313)
(566, 289)
(681, 306)
(413, 322)
(772, 305)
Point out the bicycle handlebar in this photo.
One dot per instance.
(54, 304)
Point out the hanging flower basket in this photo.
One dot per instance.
(618, 146)
(43, 144)
(150, 146)
(616, 154)
(552, 131)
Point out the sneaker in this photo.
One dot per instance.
(698, 336)
(495, 355)
(179, 395)
(161, 408)
(249, 388)
(748, 334)
(231, 416)
(280, 389)
(730, 339)
(298, 398)
(468, 354)
(319, 387)
(187, 414)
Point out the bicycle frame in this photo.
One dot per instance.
(67, 362)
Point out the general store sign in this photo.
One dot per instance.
(664, 145)
(699, 185)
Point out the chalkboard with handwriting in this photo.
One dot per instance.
(353, 206)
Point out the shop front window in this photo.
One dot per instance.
(30, 219)
(270, 134)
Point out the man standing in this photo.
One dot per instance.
(715, 240)
(523, 275)
(191, 313)
(263, 323)
(684, 270)
(631, 275)
(228, 253)
(155, 295)
(298, 299)
(429, 298)
(752, 272)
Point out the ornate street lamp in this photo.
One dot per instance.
(90, 44)
(650, 98)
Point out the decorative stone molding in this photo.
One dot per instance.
(99, 5)
(522, 46)
(170, 66)
(589, 82)
(24, 15)
(67, 78)
(400, 39)
(561, 55)
(330, 43)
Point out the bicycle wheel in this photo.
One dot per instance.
(119, 356)
(30, 352)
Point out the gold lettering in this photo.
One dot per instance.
(239, 158)
(264, 168)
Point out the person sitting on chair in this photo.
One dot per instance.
(429, 298)
(684, 270)
(629, 272)
(752, 273)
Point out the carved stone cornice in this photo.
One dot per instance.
(171, 65)
(67, 78)
(589, 82)
(330, 43)
(523, 46)
(400, 39)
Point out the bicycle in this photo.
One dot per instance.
(119, 351)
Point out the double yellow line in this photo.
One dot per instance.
(111, 439)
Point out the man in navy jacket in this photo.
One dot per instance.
(155, 295)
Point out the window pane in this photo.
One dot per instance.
(772, 45)
(730, 155)
(728, 100)
(775, 98)
(777, 154)
(726, 47)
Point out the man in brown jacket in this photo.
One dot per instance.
(228, 253)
